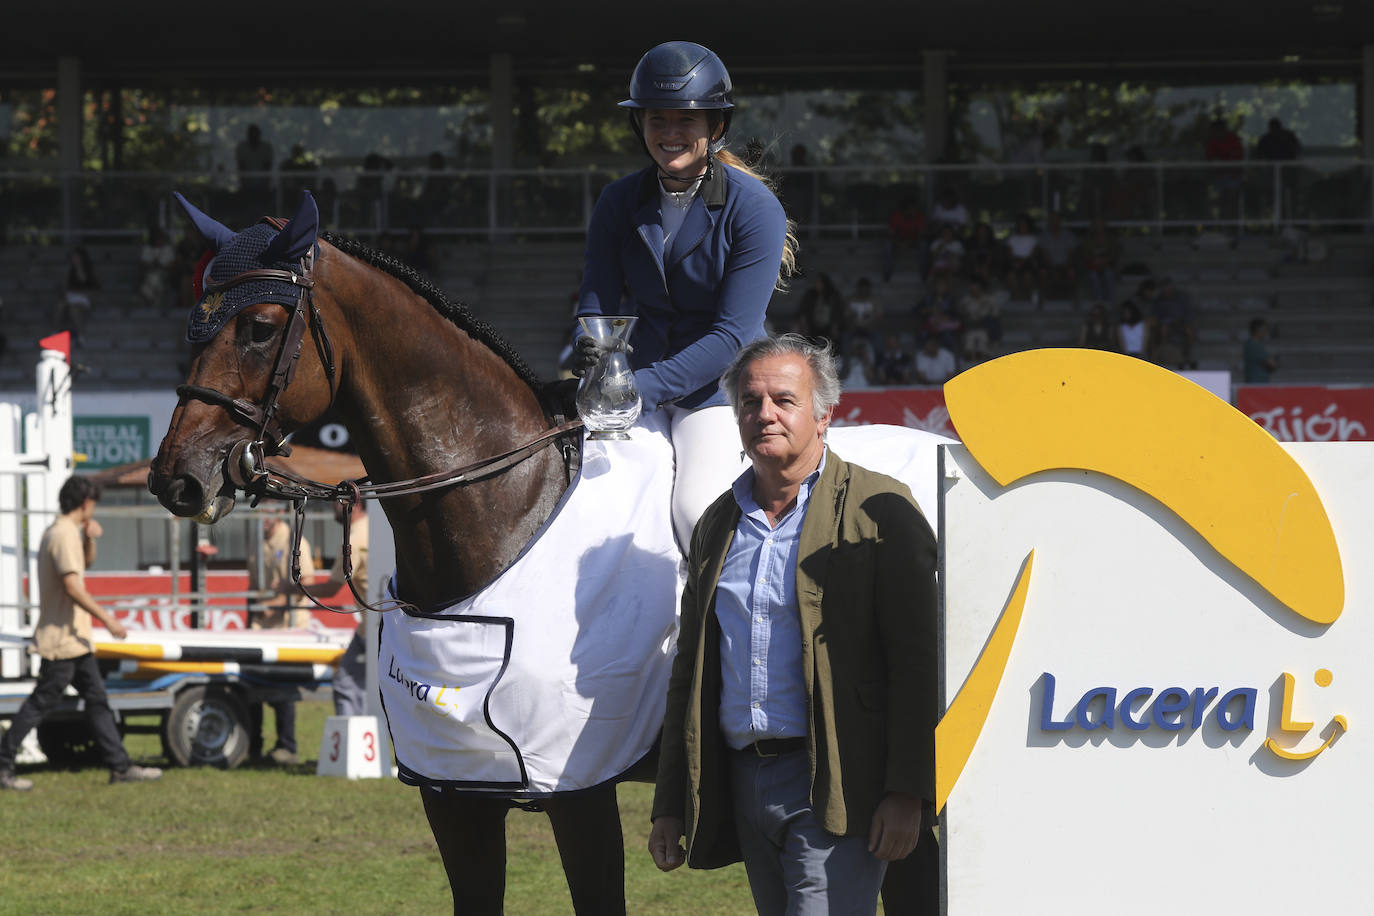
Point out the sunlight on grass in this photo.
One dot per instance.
(271, 840)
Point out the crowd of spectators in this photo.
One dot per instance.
(967, 273)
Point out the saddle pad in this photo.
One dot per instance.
(554, 678)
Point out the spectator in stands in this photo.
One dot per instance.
(937, 315)
(1172, 332)
(1224, 145)
(371, 191)
(155, 260)
(857, 369)
(284, 608)
(254, 159)
(863, 315)
(893, 365)
(949, 210)
(1101, 252)
(297, 174)
(78, 284)
(1134, 193)
(1097, 332)
(946, 253)
(1058, 250)
(980, 310)
(1023, 260)
(1279, 144)
(983, 253)
(821, 314)
(327, 197)
(1133, 330)
(906, 229)
(934, 364)
(1259, 362)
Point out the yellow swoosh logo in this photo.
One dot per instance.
(1208, 463)
(962, 723)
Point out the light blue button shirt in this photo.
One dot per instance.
(763, 693)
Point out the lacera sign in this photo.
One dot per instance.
(1172, 709)
(1155, 636)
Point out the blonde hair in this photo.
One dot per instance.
(789, 246)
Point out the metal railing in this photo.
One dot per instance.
(51, 206)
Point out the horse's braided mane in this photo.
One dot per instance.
(456, 312)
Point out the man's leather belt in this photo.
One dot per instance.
(774, 747)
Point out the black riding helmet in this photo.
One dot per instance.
(677, 75)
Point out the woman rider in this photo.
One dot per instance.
(697, 242)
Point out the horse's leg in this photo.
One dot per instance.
(471, 833)
(586, 827)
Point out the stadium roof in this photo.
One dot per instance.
(151, 39)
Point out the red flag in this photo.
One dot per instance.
(61, 342)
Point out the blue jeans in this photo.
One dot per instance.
(796, 867)
(53, 677)
(283, 703)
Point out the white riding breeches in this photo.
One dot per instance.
(708, 457)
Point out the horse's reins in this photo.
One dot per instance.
(246, 465)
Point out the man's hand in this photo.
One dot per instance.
(896, 827)
(92, 529)
(116, 628)
(665, 842)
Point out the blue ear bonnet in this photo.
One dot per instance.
(243, 254)
(256, 248)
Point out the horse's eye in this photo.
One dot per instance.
(263, 331)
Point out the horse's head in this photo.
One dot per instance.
(243, 393)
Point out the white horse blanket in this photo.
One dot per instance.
(554, 677)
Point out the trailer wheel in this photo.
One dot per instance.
(207, 726)
(68, 742)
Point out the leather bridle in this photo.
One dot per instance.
(246, 466)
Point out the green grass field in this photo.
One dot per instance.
(256, 840)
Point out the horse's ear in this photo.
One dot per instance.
(216, 234)
(297, 236)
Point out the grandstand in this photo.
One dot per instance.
(889, 99)
(1321, 311)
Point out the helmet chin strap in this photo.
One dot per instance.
(705, 175)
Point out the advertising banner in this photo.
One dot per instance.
(915, 408)
(1156, 639)
(1310, 413)
(108, 442)
(145, 601)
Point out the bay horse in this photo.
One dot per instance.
(293, 321)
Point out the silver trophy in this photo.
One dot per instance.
(607, 399)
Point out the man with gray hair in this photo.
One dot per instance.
(800, 727)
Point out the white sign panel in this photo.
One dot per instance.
(1166, 736)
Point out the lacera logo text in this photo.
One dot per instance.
(1171, 708)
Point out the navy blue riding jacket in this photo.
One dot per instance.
(698, 302)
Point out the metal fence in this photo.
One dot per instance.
(50, 206)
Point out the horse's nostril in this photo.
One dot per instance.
(183, 495)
